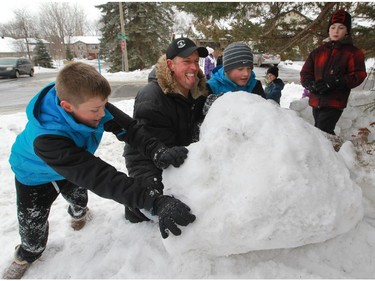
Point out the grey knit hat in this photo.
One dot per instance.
(236, 55)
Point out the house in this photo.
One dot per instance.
(10, 47)
(296, 18)
(80, 46)
(84, 46)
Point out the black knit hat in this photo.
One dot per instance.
(184, 47)
(237, 55)
(273, 70)
(342, 17)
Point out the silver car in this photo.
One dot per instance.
(267, 58)
(14, 67)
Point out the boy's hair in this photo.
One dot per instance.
(78, 82)
(273, 70)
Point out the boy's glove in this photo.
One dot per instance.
(164, 156)
(323, 85)
(310, 85)
(171, 212)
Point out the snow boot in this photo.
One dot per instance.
(17, 268)
(79, 223)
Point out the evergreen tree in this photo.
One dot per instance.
(110, 48)
(148, 30)
(41, 55)
(290, 28)
(68, 54)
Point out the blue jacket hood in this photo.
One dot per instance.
(46, 116)
(44, 111)
(220, 83)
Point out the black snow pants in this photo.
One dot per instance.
(326, 118)
(33, 208)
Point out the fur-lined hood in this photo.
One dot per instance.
(168, 84)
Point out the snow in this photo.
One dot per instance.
(271, 196)
(240, 212)
(8, 45)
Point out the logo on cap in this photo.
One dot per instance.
(181, 44)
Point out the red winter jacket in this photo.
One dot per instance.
(338, 59)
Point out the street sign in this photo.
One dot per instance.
(122, 37)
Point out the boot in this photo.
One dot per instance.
(17, 268)
(79, 223)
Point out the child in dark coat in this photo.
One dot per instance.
(274, 85)
(331, 71)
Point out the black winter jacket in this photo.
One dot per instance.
(167, 115)
(86, 170)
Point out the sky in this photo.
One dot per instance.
(7, 7)
(271, 196)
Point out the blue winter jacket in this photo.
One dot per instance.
(220, 83)
(47, 117)
(273, 90)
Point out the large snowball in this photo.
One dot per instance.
(261, 178)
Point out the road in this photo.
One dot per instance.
(16, 93)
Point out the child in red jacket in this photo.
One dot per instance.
(331, 71)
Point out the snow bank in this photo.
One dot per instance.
(241, 204)
(356, 115)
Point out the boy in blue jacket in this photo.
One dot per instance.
(274, 84)
(236, 74)
(54, 154)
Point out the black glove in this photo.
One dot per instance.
(310, 85)
(172, 212)
(323, 85)
(164, 156)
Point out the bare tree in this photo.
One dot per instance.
(92, 28)
(9, 30)
(58, 22)
(23, 28)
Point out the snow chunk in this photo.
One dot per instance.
(261, 178)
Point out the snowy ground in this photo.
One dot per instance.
(272, 199)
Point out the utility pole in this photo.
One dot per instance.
(125, 65)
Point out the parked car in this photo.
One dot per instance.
(267, 58)
(14, 67)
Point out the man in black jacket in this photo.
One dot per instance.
(170, 108)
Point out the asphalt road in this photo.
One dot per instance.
(16, 93)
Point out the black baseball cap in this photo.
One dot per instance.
(184, 47)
